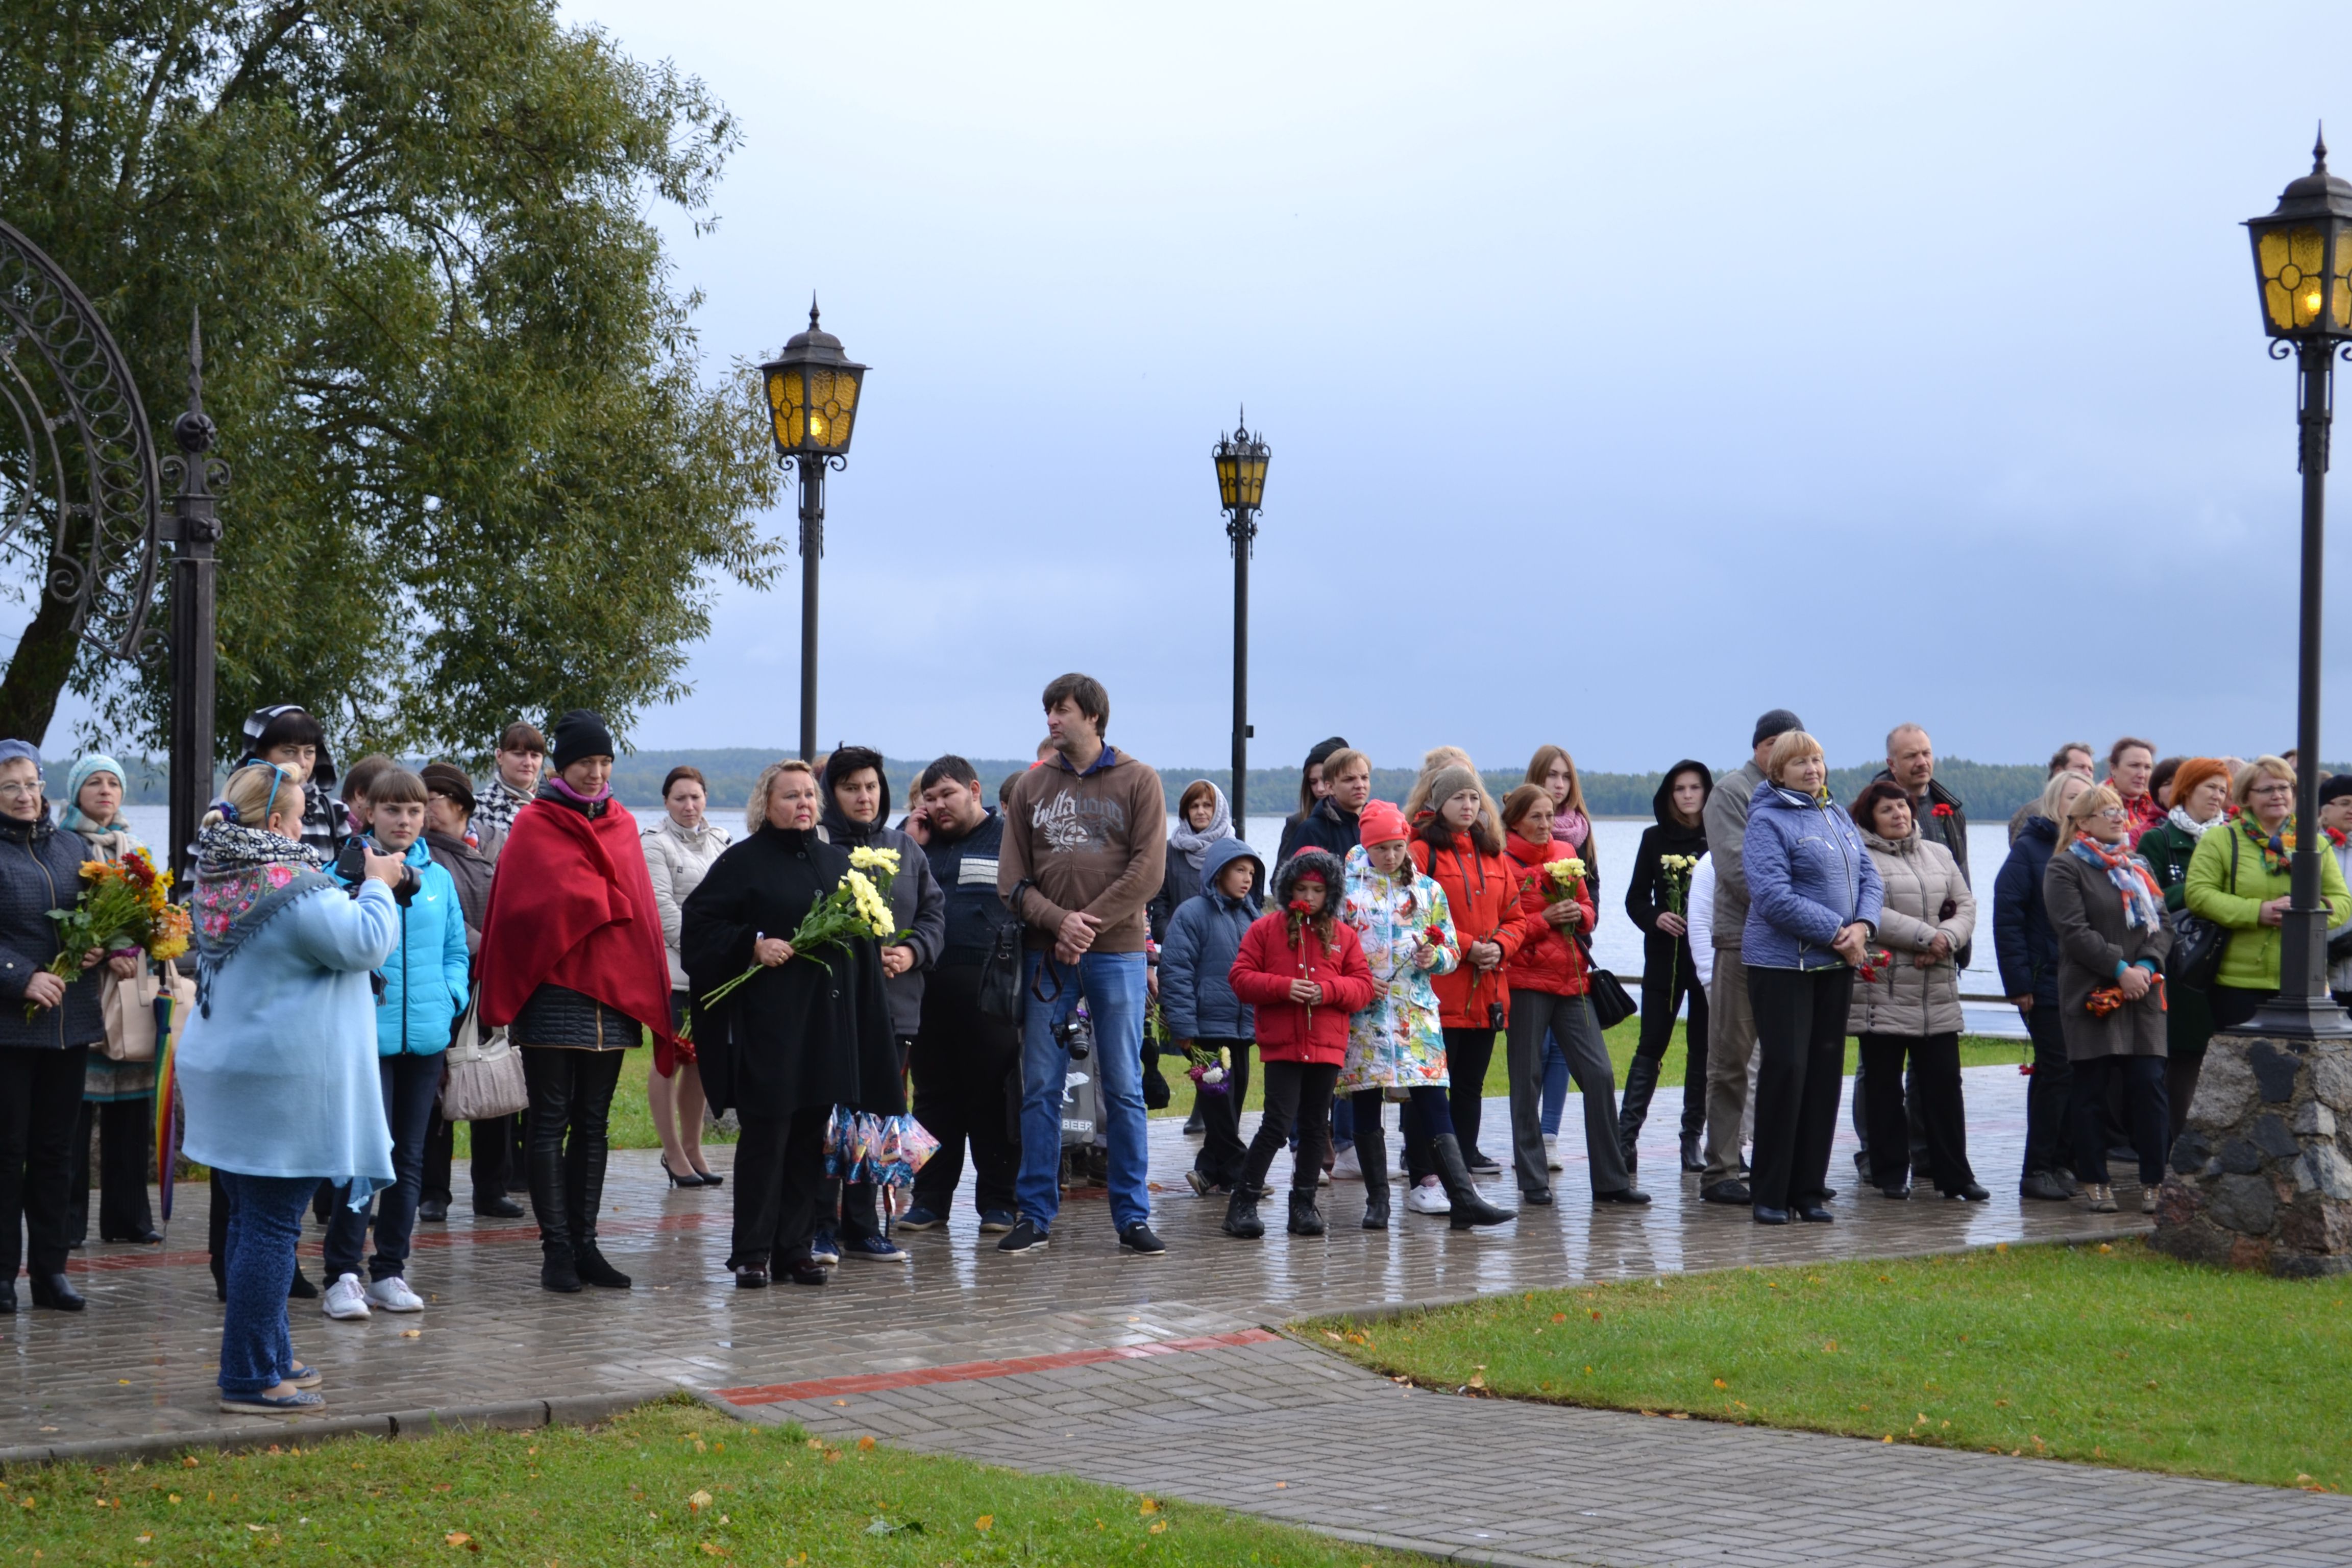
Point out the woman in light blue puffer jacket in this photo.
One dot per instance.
(1814, 900)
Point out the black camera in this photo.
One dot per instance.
(1493, 1014)
(351, 865)
(1076, 1036)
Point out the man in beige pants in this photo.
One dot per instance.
(1730, 1027)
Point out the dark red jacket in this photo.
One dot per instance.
(1482, 893)
(1290, 1031)
(1549, 959)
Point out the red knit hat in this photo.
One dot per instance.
(1378, 823)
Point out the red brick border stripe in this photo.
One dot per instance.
(970, 1370)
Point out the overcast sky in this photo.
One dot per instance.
(1628, 370)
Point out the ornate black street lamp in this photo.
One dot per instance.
(2302, 267)
(813, 390)
(1240, 460)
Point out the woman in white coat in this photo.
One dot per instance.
(679, 848)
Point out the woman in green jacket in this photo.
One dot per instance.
(2238, 878)
(2201, 792)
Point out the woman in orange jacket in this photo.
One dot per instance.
(1551, 978)
(1302, 970)
(1460, 846)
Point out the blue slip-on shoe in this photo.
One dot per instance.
(260, 1404)
(876, 1250)
(302, 1376)
(823, 1248)
(920, 1219)
(1024, 1237)
(996, 1222)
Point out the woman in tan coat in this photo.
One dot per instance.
(2109, 915)
(1909, 1002)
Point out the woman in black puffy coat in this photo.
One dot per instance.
(1656, 898)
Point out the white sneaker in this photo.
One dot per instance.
(1551, 1153)
(1346, 1167)
(345, 1299)
(1428, 1198)
(394, 1296)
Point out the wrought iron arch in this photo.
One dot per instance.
(99, 491)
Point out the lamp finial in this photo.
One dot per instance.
(811, 309)
(2319, 150)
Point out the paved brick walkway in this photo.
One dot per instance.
(141, 1362)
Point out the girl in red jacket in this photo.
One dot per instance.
(1551, 996)
(1304, 973)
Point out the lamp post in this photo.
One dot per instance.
(193, 530)
(1240, 460)
(811, 389)
(2303, 267)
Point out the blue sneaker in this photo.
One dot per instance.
(920, 1219)
(876, 1249)
(994, 1222)
(823, 1249)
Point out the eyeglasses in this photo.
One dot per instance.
(2277, 788)
(16, 789)
(2116, 814)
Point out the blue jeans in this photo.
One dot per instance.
(264, 1227)
(1112, 985)
(1555, 1084)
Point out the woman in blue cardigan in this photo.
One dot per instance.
(277, 1069)
(1813, 899)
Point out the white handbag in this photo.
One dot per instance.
(484, 1078)
(129, 1006)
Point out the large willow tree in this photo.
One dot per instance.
(479, 472)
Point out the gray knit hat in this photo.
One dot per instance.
(1449, 783)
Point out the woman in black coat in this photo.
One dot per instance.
(810, 1033)
(42, 1058)
(1657, 903)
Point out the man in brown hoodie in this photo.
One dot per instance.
(1085, 841)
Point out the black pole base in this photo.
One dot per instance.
(2298, 1018)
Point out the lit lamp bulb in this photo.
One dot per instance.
(817, 426)
(2311, 301)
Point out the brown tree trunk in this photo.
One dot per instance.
(37, 671)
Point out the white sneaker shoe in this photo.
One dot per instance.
(345, 1299)
(1427, 1199)
(394, 1296)
(1551, 1153)
(1346, 1167)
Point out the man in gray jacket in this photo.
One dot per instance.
(1730, 1027)
(857, 815)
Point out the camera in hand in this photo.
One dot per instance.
(350, 868)
(1076, 1036)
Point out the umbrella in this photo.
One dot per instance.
(167, 1122)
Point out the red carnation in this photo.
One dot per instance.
(1941, 810)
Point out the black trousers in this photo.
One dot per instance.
(40, 1106)
(1668, 975)
(1222, 1155)
(2142, 1078)
(1934, 1101)
(778, 1180)
(1800, 1027)
(967, 1072)
(2050, 1097)
(493, 1140)
(126, 1132)
(571, 1113)
(1467, 1053)
(1296, 1094)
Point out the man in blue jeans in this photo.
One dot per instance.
(1085, 842)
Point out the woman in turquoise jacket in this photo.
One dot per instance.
(421, 990)
(277, 1067)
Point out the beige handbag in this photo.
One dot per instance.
(130, 1009)
(484, 1077)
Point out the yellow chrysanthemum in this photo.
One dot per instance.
(866, 858)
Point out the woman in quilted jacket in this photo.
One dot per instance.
(1550, 985)
(1302, 973)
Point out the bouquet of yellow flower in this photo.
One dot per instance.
(1675, 880)
(858, 906)
(1566, 876)
(124, 907)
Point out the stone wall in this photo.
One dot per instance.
(2261, 1176)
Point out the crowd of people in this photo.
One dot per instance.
(351, 933)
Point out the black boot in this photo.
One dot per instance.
(590, 1265)
(1692, 1159)
(1469, 1207)
(1633, 1109)
(1306, 1220)
(57, 1293)
(1373, 1154)
(1241, 1211)
(300, 1291)
(555, 1269)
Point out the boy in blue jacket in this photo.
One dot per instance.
(1197, 1002)
(423, 989)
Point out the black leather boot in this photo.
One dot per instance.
(1241, 1211)
(1306, 1220)
(57, 1293)
(1469, 1206)
(1692, 1159)
(555, 1269)
(590, 1265)
(1373, 1154)
(1633, 1109)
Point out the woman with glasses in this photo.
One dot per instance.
(2107, 913)
(48, 1024)
(2238, 878)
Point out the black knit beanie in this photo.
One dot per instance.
(579, 735)
(1322, 750)
(1773, 725)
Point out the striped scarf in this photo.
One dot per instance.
(2143, 903)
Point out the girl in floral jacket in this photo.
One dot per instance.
(1396, 1047)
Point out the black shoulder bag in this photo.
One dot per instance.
(2198, 943)
(1000, 972)
(1611, 1003)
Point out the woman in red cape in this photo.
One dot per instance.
(575, 971)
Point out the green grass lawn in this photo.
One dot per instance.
(2106, 1354)
(667, 1483)
(1976, 1050)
